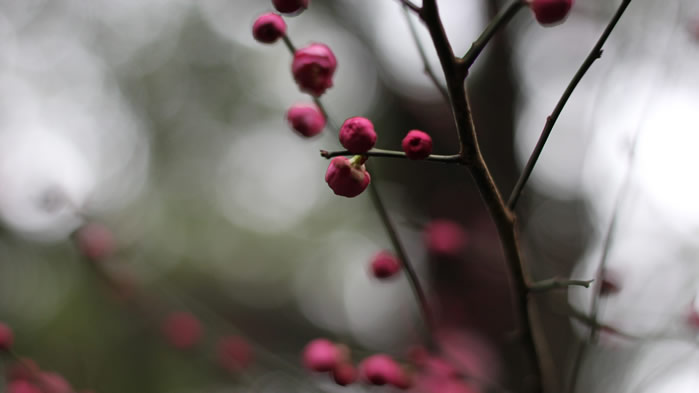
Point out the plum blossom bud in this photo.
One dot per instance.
(549, 12)
(313, 68)
(445, 238)
(384, 265)
(6, 337)
(290, 6)
(345, 178)
(417, 145)
(381, 369)
(95, 241)
(182, 329)
(306, 119)
(268, 28)
(321, 355)
(357, 135)
(344, 374)
(234, 353)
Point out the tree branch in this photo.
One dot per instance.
(594, 54)
(557, 283)
(504, 220)
(451, 159)
(500, 21)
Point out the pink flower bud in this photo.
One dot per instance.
(548, 12)
(344, 374)
(381, 369)
(417, 145)
(345, 179)
(95, 241)
(182, 329)
(306, 119)
(290, 6)
(6, 337)
(268, 28)
(22, 386)
(385, 265)
(234, 353)
(51, 382)
(357, 135)
(445, 238)
(321, 355)
(313, 68)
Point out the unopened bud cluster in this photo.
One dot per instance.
(324, 356)
(313, 68)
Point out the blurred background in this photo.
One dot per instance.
(165, 121)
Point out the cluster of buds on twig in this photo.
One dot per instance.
(313, 68)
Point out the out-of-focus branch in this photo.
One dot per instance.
(421, 51)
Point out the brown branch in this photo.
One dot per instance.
(455, 74)
(594, 54)
(501, 20)
(450, 159)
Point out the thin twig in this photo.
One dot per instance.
(421, 51)
(501, 19)
(411, 274)
(594, 54)
(593, 323)
(557, 283)
(450, 159)
(604, 257)
(328, 121)
(289, 44)
(409, 4)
